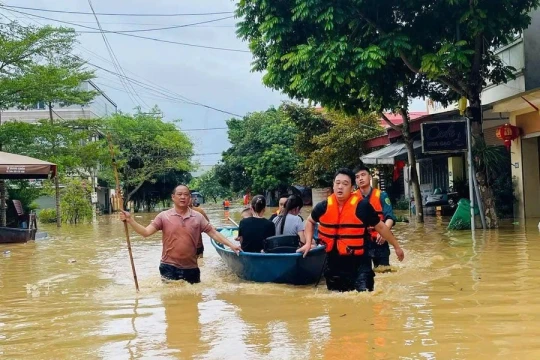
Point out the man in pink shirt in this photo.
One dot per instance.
(181, 228)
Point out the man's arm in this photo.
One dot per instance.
(388, 212)
(141, 230)
(385, 232)
(214, 234)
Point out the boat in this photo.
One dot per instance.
(281, 268)
(14, 235)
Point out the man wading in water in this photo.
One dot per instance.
(379, 251)
(343, 219)
(181, 228)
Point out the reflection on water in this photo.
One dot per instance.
(454, 297)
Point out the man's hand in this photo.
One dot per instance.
(304, 249)
(400, 254)
(380, 240)
(125, 216)
(236, 248)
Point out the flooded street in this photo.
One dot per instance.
(454, 297)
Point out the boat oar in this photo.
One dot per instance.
(234, 222)
(121, 200)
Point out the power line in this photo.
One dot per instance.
(118, 14)
(136, 23)
(135, 36)
(158, 29)
(187, 100)
(126, 84)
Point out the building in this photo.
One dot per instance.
(100, 106)
(516, 102)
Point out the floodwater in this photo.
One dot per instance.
(454, 297)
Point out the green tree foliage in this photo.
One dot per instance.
(76, 205)
(60, 82)
(159, 189)
(340, 146)
(22, 47)
(145, 147)
(65, 143)
(209, 186)
(262, 155)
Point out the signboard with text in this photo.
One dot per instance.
(444, 137)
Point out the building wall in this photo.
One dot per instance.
(532, 49)
(525, 164)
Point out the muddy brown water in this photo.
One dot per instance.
(455, 296)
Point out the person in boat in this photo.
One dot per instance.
(281, 205)
(180, 229)
(379, 251)
(252, 231)
(288, 222)
(343, 219)
(194, 205)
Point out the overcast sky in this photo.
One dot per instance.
(220, 79)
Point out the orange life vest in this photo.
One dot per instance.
(342, 229)
(375, 201)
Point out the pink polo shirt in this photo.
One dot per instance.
(180, 235)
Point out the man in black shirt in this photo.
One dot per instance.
(343, 219)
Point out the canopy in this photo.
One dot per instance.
(388, 154)
(13, 166)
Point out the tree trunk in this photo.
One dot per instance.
(3, 207)
(56, 182)
(414, 181)
(486, 194)
(412, 165)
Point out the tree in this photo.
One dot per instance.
(145, 147)
(208, 185)
(20, 47)
(320, 51)
(262, 157)
(324, 50)
(328, 140)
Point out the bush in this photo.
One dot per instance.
(75, 203)
(47, 216)
(402, 204)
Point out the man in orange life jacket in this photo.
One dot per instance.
(380, 251)
(343, 220)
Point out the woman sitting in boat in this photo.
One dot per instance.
(288, 222)
(252, 231)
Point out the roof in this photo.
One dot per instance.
(13, 166)
(388, 154)
(396, 119)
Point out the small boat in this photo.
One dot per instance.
(14, 235)
(282, 268)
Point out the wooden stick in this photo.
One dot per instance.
(121, 201)
(234, 222)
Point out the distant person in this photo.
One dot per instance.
(379, 251)
(281, 205)
(180, 228)
(246, 199)
(200, 246)
(288, 222)
(226, 204)
(252, 231)
(343, 219)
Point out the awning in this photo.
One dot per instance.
(390, 153)
(13, 166)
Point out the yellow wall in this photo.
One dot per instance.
(531, 176)
(528, 123)
(455, 169)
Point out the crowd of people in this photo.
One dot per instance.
(353, 225)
